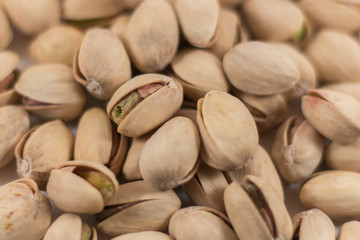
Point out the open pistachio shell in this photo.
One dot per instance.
(201, 223)
(71, 227)
(81, 186)
(148, 235)
(8, 74)
(25, 212)
(349, 231)
(14, 122)
(138, 207)
(6, 33)
(149, 97)
(224, 120)
(118, 26)
(42, 149)
(50, 92)
(256, 210)
(32, 17)
(352, 89)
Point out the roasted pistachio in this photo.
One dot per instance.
(349, 231)
(188, 113)
(6, 33)
(352, 89)
(148, 235)
(8, 74)
(118, 27)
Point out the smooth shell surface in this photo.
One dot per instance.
(6, 33)
(349, 231)
(148, 235)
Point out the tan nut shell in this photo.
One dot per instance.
(349, 231)
(148, 235)
(333, 114)
(152, 36)
(155, 109)
(14, 122)
(150, 209)
(57, 45)
(231, 3)
(42, 149)
(25, 212)
(224, 120)
(6, 33)
(9, 61)
(352, 89)
(259, 68)
(32, 17)
(201, 223)
(118, 27)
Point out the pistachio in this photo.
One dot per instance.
(333, 114)
(201, 223)
(223, 120)
(259, 68)
(32, 17)
(297, 149)
(42, 149)
(313, 224)
(352, 89)
(138, 207)
(231, 3)
(150, 97)
(8, 75)
(148, 235)
(56, 45)
(188, 113)
(152, 35)
(256, 210)
(25, 211)
(349, 231)
(6, 33)
(49, 91)
(198, 71)
(70, 226)
(81, 186)
(118, 27)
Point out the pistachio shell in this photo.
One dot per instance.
(231, 3)
(188, 113)
(223, 120)
(201, 223)
(8, 62)
(259, 68)
(42, 149)
(118, 27)
(349, 231)
(25, 212)
(352, 89)
(6, 33)
(152, 36)
(148, 235)
(32, 17)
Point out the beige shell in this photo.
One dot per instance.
(32, 17)
(6, 33)
(9, 61)
(198, 71)
(297, 149)
(148, 235)
(52, 85)
(118, 26)
(313, 224)
(333, 114)
(152, 36)
(201, 223)
(267, 220)
(101, 63)
(188, 113)
(72, 193)
(349, 231)
(335, 55)
(42, 149)
(223, 120)
(25, 211)
(14, 122)
(231, 3)
(259, 68)
(57, 45)
(154, 109)
(68, 226)
(352, 89)
(138, 207)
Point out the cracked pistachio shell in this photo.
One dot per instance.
(148, 235)
(101, 63)
(6, 33)
(81, 186)
(335, 55)
(352, 89)
(8, 62)
(256, 210)
(54, 90)
(56, 45)
(297, 149)
(333, 114)
(71, 227)
(201, 223)
(198, 71)
(155, 108)
(199, 21)
(96, 140)
(14, 122)
(118, 27)
(260, 69)
(313, 224)
(42, 149)
(152, 36)
(336, 193)
(349, 231)
(25, 212)
(138, 207)
(170, 157)
(32, 17)
(224, 120)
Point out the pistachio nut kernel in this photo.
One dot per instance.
(148, 235)
(81, 186)
(8, 75)
(6, 33)
(349, 231)
(25, 211)
(352, 89)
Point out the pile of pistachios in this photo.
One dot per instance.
(130, 107)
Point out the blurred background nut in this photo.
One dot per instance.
(148, 235)
(349, 231)
(119, 24)
(231, 3)
(6, 33)
(9, 61)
